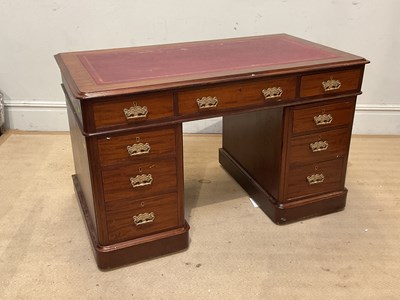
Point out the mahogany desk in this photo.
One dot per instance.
(287, 107)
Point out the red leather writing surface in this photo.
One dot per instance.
(170, 61)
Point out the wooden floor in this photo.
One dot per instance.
(235, 251)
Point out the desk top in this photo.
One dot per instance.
(128, 70)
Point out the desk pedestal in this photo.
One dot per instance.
(292, 168)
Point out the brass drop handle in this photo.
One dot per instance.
(331, 84)
(315, 179)
(324, 119)
(144, 218)
(138, 149)
(272, 92)
(136, 112)
(141, 180)
(319, 146)
(207, 102)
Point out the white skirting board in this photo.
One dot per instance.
(36, 116)
(52, 116)
(377, 119)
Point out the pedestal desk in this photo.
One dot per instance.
(287, 107)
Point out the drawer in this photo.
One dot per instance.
(136, 146)
(319, 146)
(327, 83)
(323, 116)
(236, 95)
(132, 109)
(129, 219)
(135, 181)
(305, 180)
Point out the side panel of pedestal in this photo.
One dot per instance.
(255, 140)
(81, 162)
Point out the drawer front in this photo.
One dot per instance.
(323, 116)
(129, 219)
(319, 147)
(136, 181)
(330, 83)
(136, 146)
(236, 95)
(133, 109)
(305, 180)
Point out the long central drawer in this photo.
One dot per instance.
(234, 95)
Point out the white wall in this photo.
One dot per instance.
(31, 32)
